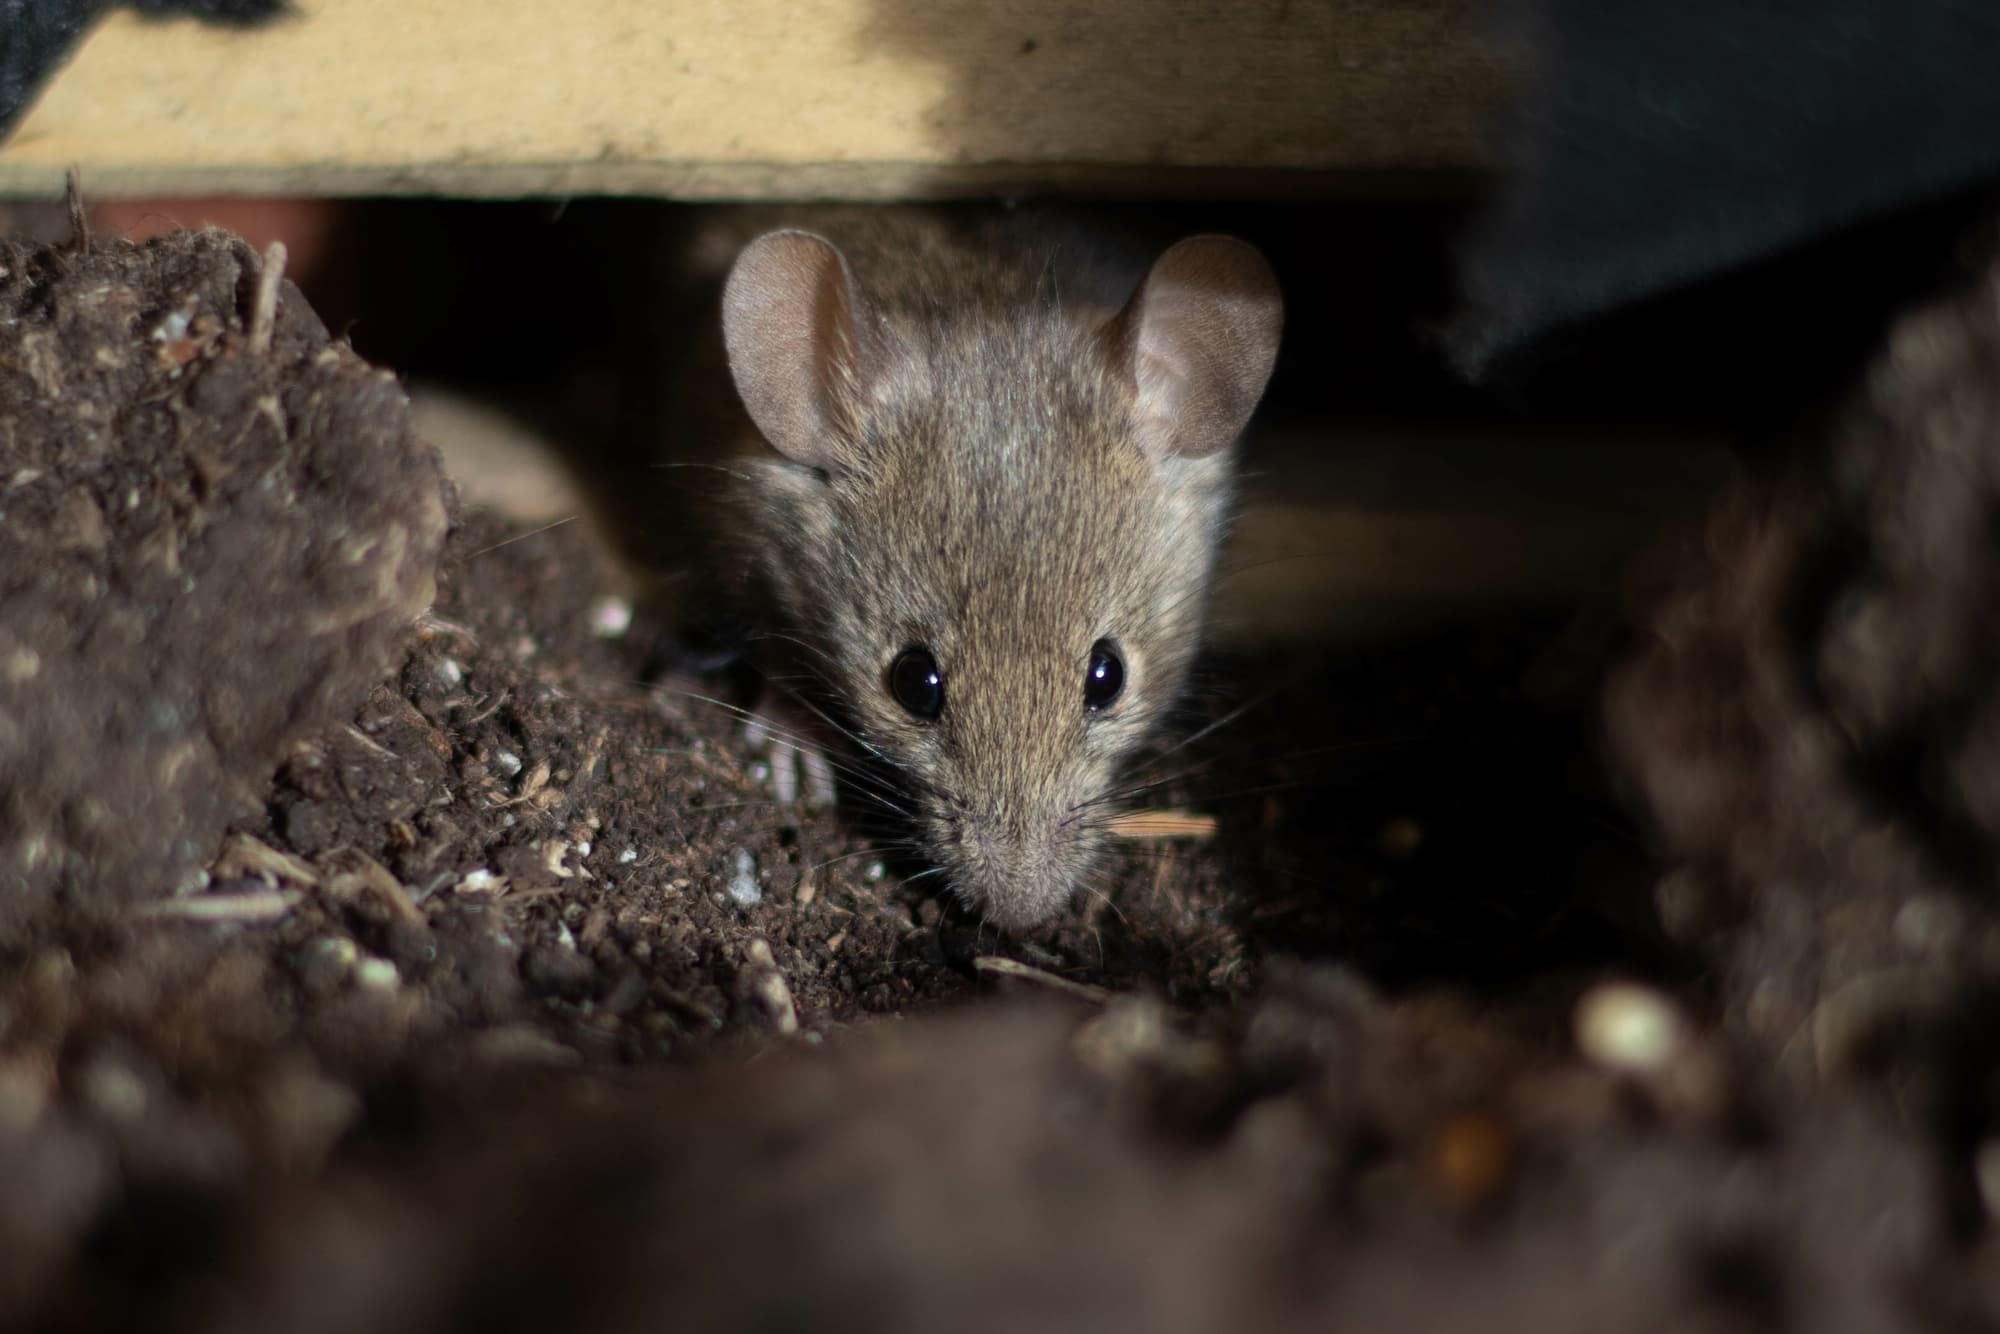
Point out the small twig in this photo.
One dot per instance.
(430, 620)
(245, 855)
(266, 308)
(488, 707)
(366, 877)
(765, 983)
(257, 905)
(79, 221)
(368, 743)
(1005, 967)
(1161, 824)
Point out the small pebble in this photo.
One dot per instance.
(743, 887)
(610, 617)
(785, 775)
(450, 672)
(627, 857)
(338, 949)
(819, 776)
(376, 974)
(174, 326)
(1628, 1028)
(507, 762)
(765, 985)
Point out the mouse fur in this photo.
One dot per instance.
(979, 439)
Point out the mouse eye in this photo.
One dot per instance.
(1104, 677)
(917, 684)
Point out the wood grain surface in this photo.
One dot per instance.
(768, 98)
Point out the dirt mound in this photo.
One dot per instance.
(463, 972)
(215, 537)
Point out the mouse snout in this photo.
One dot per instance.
(1017, 872)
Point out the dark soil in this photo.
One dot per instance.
(210, 547)
(521, 990)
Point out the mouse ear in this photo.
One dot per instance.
(802, 341)
(1197, 342)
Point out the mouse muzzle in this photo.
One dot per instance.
(1018, 873)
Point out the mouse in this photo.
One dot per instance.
(966, 499)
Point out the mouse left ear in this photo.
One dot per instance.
(803, 341)
(1197, 342)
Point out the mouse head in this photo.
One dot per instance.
(991, 524)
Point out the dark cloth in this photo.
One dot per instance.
(35, 34)
(1658, 143)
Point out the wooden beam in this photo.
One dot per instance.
(751, 99)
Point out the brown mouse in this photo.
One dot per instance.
(981, 504)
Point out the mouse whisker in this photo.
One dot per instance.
(1132, 791)
(845, 857)
(734, 474)
(771, 728)
(1214, 767)
(1101, 895)
(857, 777)
(827, 718)
(815, 659)
(1235, 715)
(522, 537)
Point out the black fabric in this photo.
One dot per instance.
(35, 35)
(1657, 143)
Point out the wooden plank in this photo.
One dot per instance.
(715, 99)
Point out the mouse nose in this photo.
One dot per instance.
(1018, 873)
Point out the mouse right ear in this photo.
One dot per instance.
(1197, 342)
(802, 341)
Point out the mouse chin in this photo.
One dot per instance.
(1017, 879)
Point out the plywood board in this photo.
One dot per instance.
(717, 99)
